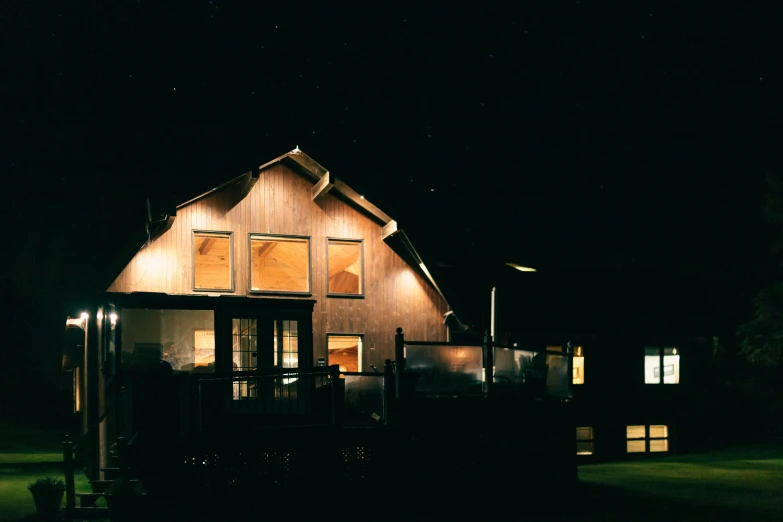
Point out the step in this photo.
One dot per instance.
(90, 513)
(99, 486)
(88, 499)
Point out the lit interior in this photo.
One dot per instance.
(584, 441)
(151, 336)
(279, 264)
(212, 261)
(204, 344)
(345, 267)
(652, 365)
(346, 351)
(653, 438)
(579, 366)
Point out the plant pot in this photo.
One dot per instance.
(48, 502)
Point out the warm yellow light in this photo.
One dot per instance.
(521, 268)
(674, 351)
(113, 318)
(100, 315)
(84, 316)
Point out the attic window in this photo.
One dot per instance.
(345, 262)
(213, 261)
(280, 264)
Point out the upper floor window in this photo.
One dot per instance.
(345, 265)
(579, 365)
(213, 261)
(661, 365)
(584, 440)
(279, 264)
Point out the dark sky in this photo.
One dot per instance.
(558, 136)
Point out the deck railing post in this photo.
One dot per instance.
(489, 363)
(334, 376)
(399, 362)
(70, 488)
(388, 392)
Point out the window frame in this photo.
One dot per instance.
(647, 439)
(361, 294)
(581, 351)
(230, 235)
(360, 352)
(591, 440)
(661, 367)
(256, 235)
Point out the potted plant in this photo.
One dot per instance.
(124, 499)
(48, 496)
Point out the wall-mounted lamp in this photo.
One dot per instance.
(113, 318)
(84, 316)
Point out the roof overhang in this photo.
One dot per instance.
(324, 182)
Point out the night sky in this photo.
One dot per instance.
(635, 139)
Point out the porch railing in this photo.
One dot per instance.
(321, 395)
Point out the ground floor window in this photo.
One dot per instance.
(651, 438)
(184, 339)
(584, 441)
(345, 350)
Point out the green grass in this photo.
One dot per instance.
(27, 455)
(737, 484)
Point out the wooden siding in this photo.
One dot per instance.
(280, 203)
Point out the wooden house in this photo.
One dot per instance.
(277, 301)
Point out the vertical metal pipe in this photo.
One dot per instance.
(492, 312)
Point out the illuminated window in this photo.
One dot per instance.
(579, 365)
(286, 346)
(181, 338)
(653, 438)
(655, 358)
(244, 351)
(346, 351)
(213, 261)
(204, 345)
(279, 264)
(584, 441)
(345, 266)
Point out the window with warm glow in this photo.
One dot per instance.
(184, 339)
(212, 261)
(345, 267)
(653, 438)
(584, 441)
(279, 264)
(579, 366)
(345, 351)
(656, 358)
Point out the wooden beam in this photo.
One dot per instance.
(360, 202)
(207, 245)
(266, 248)
(165, 226)
(389, 229)
(323, 186)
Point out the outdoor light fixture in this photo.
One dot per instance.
(99, 315)
(113, 318)
(84, 316)
(521, 268)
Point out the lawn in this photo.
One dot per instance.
(737, 484)
(26, 455)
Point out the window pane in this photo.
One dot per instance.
(279, 264)
(584, 448)
(659, 431)
(584, 433)
(579, 370)
(671, 366)
(345, 350)
(212, 261)
(184, 339)
(652, 369)
(636, 446)
(635, 432)
(659, 445)
(345, 267)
